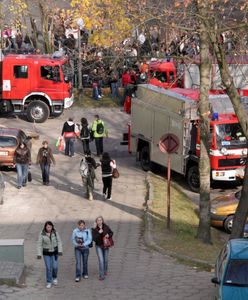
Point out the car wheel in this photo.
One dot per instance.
(193, 178)
(38, 111)
(145, 159)
(228, 223)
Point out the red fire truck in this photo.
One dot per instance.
(157, 111)
(37, 85)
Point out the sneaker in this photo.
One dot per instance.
(109, 198)
(77, 279)
(101, 278)
(49, 285)
(104, 196)
(55, 281)
(99, 97)
(106, 273)
(86, 276)
(19, 187)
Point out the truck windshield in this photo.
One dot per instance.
(230, 136)
(237, 273)
(67, 71)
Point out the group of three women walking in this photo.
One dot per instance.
(50, 246)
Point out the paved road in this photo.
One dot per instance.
(135, 271)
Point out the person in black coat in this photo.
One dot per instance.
(100, 231)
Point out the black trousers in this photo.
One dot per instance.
(86, 145)
(107, 186)
(99, 145)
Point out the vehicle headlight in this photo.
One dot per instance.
(223, 151)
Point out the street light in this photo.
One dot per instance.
(81, 24)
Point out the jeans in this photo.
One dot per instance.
(95, 93)
(114, 89)
(107, 186)
(86, 145)
(84, 253)
(45, 170)
(99, 145)
(22, 174)
(69, 146)
(102, 255)
(51, 263)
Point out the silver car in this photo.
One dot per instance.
(2, 186)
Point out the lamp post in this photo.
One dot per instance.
(80, 23)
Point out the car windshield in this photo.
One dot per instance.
(230, 136)
(237, 273)
(7, 141)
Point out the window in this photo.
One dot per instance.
(21, 71)
(237, 273)
(50, 73)
(7, 141)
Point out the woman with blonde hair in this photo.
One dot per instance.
(100, 233)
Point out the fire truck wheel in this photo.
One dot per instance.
(228, 223)
(193, 178)
(37, 111)
(145, 159)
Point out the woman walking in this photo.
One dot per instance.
(81, 240)
(50, 246)
(69, 134)
(22, 159)
(85, 135)
(44, 159)
(107, 165)
(99, 232)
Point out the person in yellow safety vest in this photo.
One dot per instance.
(99, 131)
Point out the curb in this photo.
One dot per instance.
(149, 241)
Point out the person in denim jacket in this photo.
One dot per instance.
(81, 240)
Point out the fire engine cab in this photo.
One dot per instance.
(38, 85)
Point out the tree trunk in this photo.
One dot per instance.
(242, 209)
(204, 229)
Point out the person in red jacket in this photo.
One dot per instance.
(126, 80)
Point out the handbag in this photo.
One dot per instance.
(107, 242)
(115, 173)
(29, 176)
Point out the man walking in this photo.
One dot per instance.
(99, 132)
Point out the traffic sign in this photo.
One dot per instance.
(169, 143)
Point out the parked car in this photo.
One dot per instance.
(10, 138)
(2, 186)
(223, 209)
(231, 271)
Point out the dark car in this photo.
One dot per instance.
(10, 138)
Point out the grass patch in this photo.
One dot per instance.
(85, 99)
(180, 239)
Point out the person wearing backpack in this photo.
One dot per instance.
(50, 246)
(69, 134)
(87, 172)
(85, 135)
(99, 132)
(82, 241)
